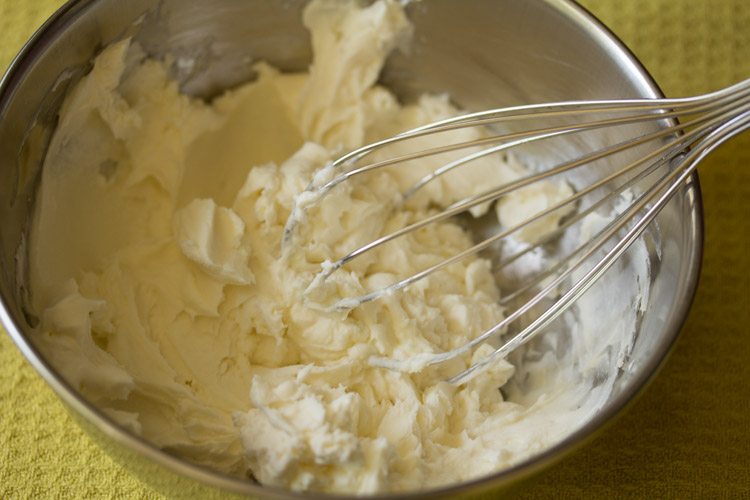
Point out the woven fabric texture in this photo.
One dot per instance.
(686, 436)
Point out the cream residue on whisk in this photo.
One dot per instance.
(156, 274)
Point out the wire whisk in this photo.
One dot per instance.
(689, 129)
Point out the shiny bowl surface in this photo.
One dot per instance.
(484, 53)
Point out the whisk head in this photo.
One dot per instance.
(647, 169)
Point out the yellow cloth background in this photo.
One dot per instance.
(687, 436)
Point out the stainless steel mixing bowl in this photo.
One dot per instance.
(483, 52)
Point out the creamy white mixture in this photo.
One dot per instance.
(156, 274)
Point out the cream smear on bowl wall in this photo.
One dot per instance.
(157, 275)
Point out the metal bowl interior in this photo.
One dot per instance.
(484, 53)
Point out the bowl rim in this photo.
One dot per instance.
(615, 48)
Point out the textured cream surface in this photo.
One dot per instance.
(157, 275)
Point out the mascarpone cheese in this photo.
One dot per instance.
(163, 298)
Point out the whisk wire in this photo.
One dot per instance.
(685, 105)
